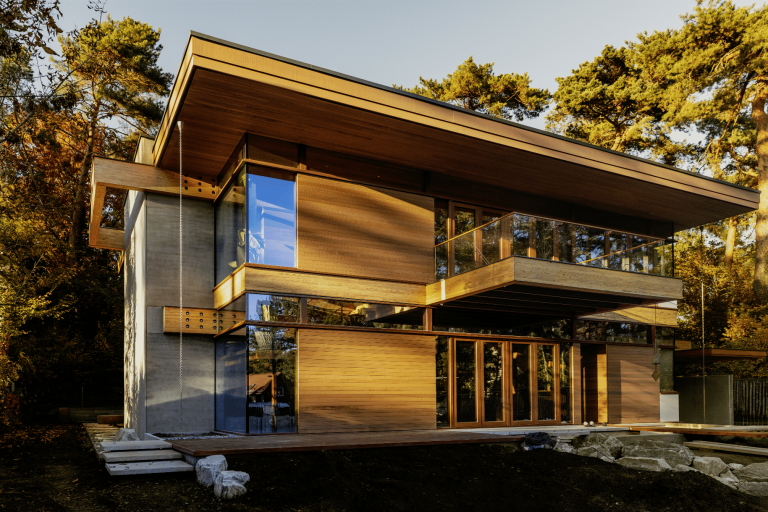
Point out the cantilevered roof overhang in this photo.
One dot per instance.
(224, 90)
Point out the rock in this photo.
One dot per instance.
(126, 434)
(611, 445)
(711, 466)
(728, 475)
(645, 464)
(674, 454)
(734, 466)
(564, 447)
(682, 468)
(753, 473)
(209, 468)
(727, 481)
(230, 484)
(597, 452)
(754, 488)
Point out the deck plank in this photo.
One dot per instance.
(332, 441)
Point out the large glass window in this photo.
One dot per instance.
(230, 227)
(615, 332)
(231, 379)
(545, 377)
(271, 393)
(466, 384)
(272, 308)
(362, 314)
(271, 217)
(521, 382)
(565, 383)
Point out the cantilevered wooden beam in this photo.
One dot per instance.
(200, 321)
(144, 178)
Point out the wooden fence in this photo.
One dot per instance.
(750, 402)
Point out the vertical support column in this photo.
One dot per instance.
(576, 383)
(427, 320)
(532, 238)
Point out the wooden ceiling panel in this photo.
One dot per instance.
(219, 108)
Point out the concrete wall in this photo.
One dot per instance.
(135, 312)
(669, 407)
(162, 289)
(151, 282)
(713, 407)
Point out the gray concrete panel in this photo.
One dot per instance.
(154, 320)
(163, 383)
(134, 314)
(713, 407)
(163, 252)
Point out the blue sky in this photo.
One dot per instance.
(395, 42)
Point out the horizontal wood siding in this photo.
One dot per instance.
(359, 230)
(363, 381)
(633, 394)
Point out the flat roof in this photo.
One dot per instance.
(224, 89)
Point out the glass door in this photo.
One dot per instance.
(500, 383)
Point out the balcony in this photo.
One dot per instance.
(515, 234)
(519, 262)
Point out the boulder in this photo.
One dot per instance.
(711, 466)
(209, 468)
(645, 464)
(728, 475)
(754, 488)
(597, 452)
(126, 434)
(753, 473)
(610, 444)
(734, 466)
(682, 468)
(230, 484)
(673, 453)
(564, 447)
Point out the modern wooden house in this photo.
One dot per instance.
(360, 258)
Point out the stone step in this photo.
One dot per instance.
(123, 446)
(724, 447)
(141, 456)
(148, 468)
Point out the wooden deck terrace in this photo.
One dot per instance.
(702, 430)
(243, 445)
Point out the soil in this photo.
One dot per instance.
(52, 468)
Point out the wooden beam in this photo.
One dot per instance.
(147, 178)
(200, 321)
(108, 238)
(553, 274)
(651, 315)
(290, 281)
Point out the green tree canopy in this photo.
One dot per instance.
(476, 87)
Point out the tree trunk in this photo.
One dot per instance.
(760, 283)
(730, 243)
(78, 208)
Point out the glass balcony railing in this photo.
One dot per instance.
(515, 234)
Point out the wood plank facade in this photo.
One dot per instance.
(351, 382)
(331, 301)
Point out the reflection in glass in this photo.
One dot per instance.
(358, 314)
(441, 235)
(271, 380)
(666, 369)
(466, 394)
(441, 380)
(230, 384)
(272, 308)
(271, 217)
(615, 332)
(521, 387)
(229, 213)
(493, 382)
(545, 378)
(565, 383)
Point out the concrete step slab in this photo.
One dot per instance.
(123, 446)
(141, 456)
(148, 468)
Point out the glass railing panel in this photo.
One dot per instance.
(533, 237)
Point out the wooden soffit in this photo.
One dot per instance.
(224, 90)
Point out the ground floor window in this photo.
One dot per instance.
(256, 381)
